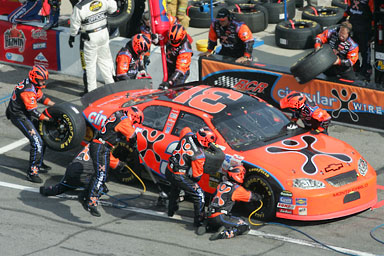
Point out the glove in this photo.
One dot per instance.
(71, 40)
(164, 85)
(292, 126)
(255, 197)
(133, 141)
(155, 39)
(141, 73)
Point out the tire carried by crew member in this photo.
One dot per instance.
(254, 15)
(311, 65)
(68, 129)
(296, 34)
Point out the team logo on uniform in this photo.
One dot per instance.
(14, 39)
(95, 6)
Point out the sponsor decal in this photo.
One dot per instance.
(351, 190)
(285, 211)
(14, 57)
(333, 167)
(302, 211)
(286, 193)
(41, 58)
(301, 201)
(38, 46)
(308, 151)
(286, 206)
(97, 118)
(95, 6)
(285, 200)
(39, 34)
(14, 39)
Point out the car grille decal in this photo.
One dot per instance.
(308, 151)
(342, 179)
(152, 139)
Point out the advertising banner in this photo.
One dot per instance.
(346, 103)
(29, 45)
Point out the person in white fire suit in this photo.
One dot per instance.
(90, 19)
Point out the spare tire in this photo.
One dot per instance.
(68, 129)
(296, 34)
(254, 15)
(324, 15)
(311, 65)
(201, 19)
(123, 14)
(343, 4)
(276, 11)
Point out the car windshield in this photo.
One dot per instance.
(250, 124)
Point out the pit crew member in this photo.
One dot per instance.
(343, 46)
(118, 128)
(227, 193)
(130, 59)
(235, 37)
(22, 111)
(312, 116)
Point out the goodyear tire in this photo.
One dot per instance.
(276, 10)
(340, 3)
(313, 64)
(324, 15)
(68, 129)
(296, 34)
(125, 153)
(260, 185)
(123, 14)
(202, 19)
(254, 15)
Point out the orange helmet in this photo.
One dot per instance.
(38, 72)
(237, 173)
(141, 44)
(294, 100)
(176, 34)
(205, 136)
(136, 115)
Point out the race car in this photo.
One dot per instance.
(299, 174)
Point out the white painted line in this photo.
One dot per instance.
(190, 220)
(13, 145)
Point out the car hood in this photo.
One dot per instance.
(305, 156)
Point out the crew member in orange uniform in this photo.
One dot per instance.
(227, 193)
(344, 47)
(235, 37)
(22, 111)
(312, 116)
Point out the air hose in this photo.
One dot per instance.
(297, 230)
(373, 230)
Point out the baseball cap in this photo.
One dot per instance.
(223, 12)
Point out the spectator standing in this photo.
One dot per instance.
(90, 18)
(29, 11)
(235, 37)
(346, 50)
(360, 14)
(178, 8)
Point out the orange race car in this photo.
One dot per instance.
(300, 175)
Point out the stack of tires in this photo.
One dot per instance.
(200, 12)
(276, 10)
(324, 15)
(252, 14)
(296, 34)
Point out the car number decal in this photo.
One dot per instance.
(207, 99)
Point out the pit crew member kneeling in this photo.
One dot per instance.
(313, 117)
(227, 193)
